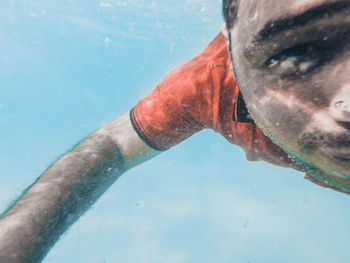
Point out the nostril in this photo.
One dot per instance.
(340, 111)
(340, 105)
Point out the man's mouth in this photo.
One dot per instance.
(342, 159)
(338, 156)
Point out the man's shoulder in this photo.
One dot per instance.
(216, 53)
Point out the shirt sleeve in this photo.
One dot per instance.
(198, 95)
(179, 106)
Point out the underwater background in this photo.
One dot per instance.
(68, 67)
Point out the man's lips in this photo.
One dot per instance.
(342, 160)
(339, 156)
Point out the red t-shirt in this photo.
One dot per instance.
(201, 94)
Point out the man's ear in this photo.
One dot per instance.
(224, 30)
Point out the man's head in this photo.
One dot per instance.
(291, 59)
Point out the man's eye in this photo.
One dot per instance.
(297, 60)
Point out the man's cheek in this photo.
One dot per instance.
(281, 114)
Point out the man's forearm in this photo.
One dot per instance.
(67, 189)
(64, 192)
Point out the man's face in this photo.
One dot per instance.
(292, 62)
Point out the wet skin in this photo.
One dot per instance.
(291, 59)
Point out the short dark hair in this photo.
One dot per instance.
(229, 10)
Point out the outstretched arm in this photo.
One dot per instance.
(67, 189)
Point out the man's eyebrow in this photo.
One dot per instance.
(273, 28)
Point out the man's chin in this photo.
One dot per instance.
(333, 178)
(333, 173)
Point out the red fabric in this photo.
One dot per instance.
(198, 95)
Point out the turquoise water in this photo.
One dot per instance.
(68, 67)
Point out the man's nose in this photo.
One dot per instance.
(339, 108)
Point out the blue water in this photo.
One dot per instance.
(68, 67)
